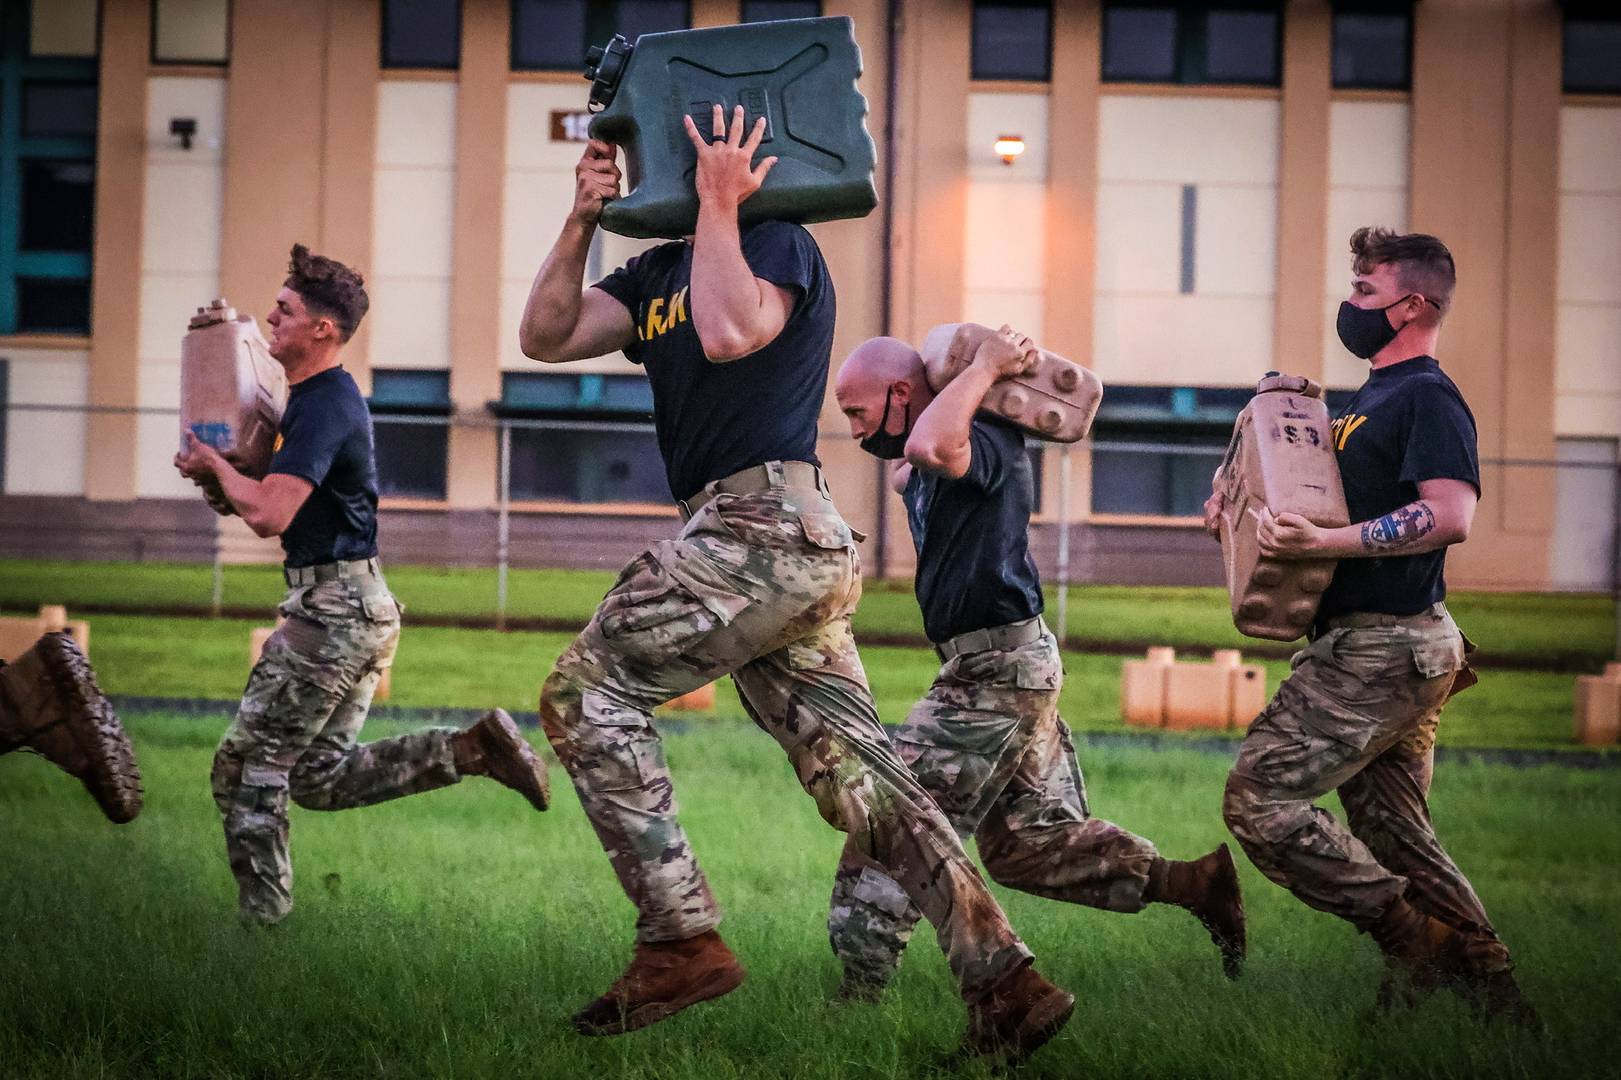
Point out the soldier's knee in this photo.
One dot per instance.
(310, 787)
(1237, 808)
(561, 707)
(225, 777)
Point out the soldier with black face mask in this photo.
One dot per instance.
(1358, 714)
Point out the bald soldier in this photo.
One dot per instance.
(987, 741)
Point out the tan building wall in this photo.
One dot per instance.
(445, 189)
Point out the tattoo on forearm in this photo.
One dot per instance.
(1399, 528)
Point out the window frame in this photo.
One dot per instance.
(974, 74)
(1191, 44)
(744, 20)
(587, 41)
(1403, 8)
(152, 44)
(383, 63)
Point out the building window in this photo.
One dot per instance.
(48, 102)
(191, 31)
(1012, 39)
(1373, 48)
(772, 10)
(552, 35)
(411, 431)
(583, 438)
(1156, 447)
(1192, 43)
(1592, 60)
(422, 33)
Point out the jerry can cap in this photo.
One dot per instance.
(1297, 384)
(604, 66)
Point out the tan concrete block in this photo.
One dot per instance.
(1612, 670)
(385, 685)
(17, 636)
(1199, 696)
(699, 700)
(1249, 694)
(256, 642)
(1598, 710)
(1142, 690)
(52, 617)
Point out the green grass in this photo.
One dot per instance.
(1507, 625)
(451, 935)
(441, 666)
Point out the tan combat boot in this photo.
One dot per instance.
(1433, 954)
(663, 978)
(1017, 1017)
(493, 747)
(50, 703)
(1208, 888)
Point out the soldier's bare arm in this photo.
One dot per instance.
(1440, 516)
(562, 322)
(734, 312)
(267, 506)
(939, 439)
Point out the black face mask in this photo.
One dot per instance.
(881, 443)
(1364, 331)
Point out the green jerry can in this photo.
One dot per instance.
(800, 74)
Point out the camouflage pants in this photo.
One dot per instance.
(987, 742)
(295, 734)
(761, 587)
(1358, 715)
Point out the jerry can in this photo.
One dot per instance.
(800, 74)
(1281, 457)
(1052, 398)
(232, 392)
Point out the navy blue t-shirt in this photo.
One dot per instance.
(1407, 423)
(714, 419)
(326, 438)
(974, 569)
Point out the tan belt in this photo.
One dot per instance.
(311, 575)
(1008, 636)
(801, 475)
(1371, 618)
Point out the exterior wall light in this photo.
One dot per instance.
(1008, 147)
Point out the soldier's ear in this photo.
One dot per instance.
(901, 389)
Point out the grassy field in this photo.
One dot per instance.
(442, 666)
(451, 935)
(1506, 625)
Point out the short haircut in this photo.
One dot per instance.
(1423, 264)
(329, 289)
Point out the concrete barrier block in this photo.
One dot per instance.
(1598, 710)
(1142, 689)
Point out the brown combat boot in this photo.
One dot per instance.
(1431, 954)
(50, 703)
(494, 748)
(663, 978)
(1208, 888)
(1017, 1017)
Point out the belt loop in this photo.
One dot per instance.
(774, 474)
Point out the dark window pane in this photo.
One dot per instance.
(1139, 43)
(1189, 481)
(409, 388)
(58, 200)
(549, 35)
(633, 18)
(1241, 46)
(422, 33)
(1370, 50)
(1128, 482)
(53, 305)
(1012, 40)
(769, 10)
(587, 466)
(1593, 55)
(411, 456)
(59, 108)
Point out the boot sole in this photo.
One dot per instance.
(112, 776)
(717, 984)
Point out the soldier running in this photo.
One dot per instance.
(1358, 713)
(987, 741)
(295, 732)
(734, 329)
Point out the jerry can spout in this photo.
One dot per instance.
(604, 67)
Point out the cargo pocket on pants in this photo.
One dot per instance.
(653, 616)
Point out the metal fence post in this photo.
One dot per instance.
(216, 602)
(503, 526)
(1063, 544)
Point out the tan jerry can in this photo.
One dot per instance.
(1052, 398)
(232, 393)
(1598, 709)
(1142, 688)
(1281, 457)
